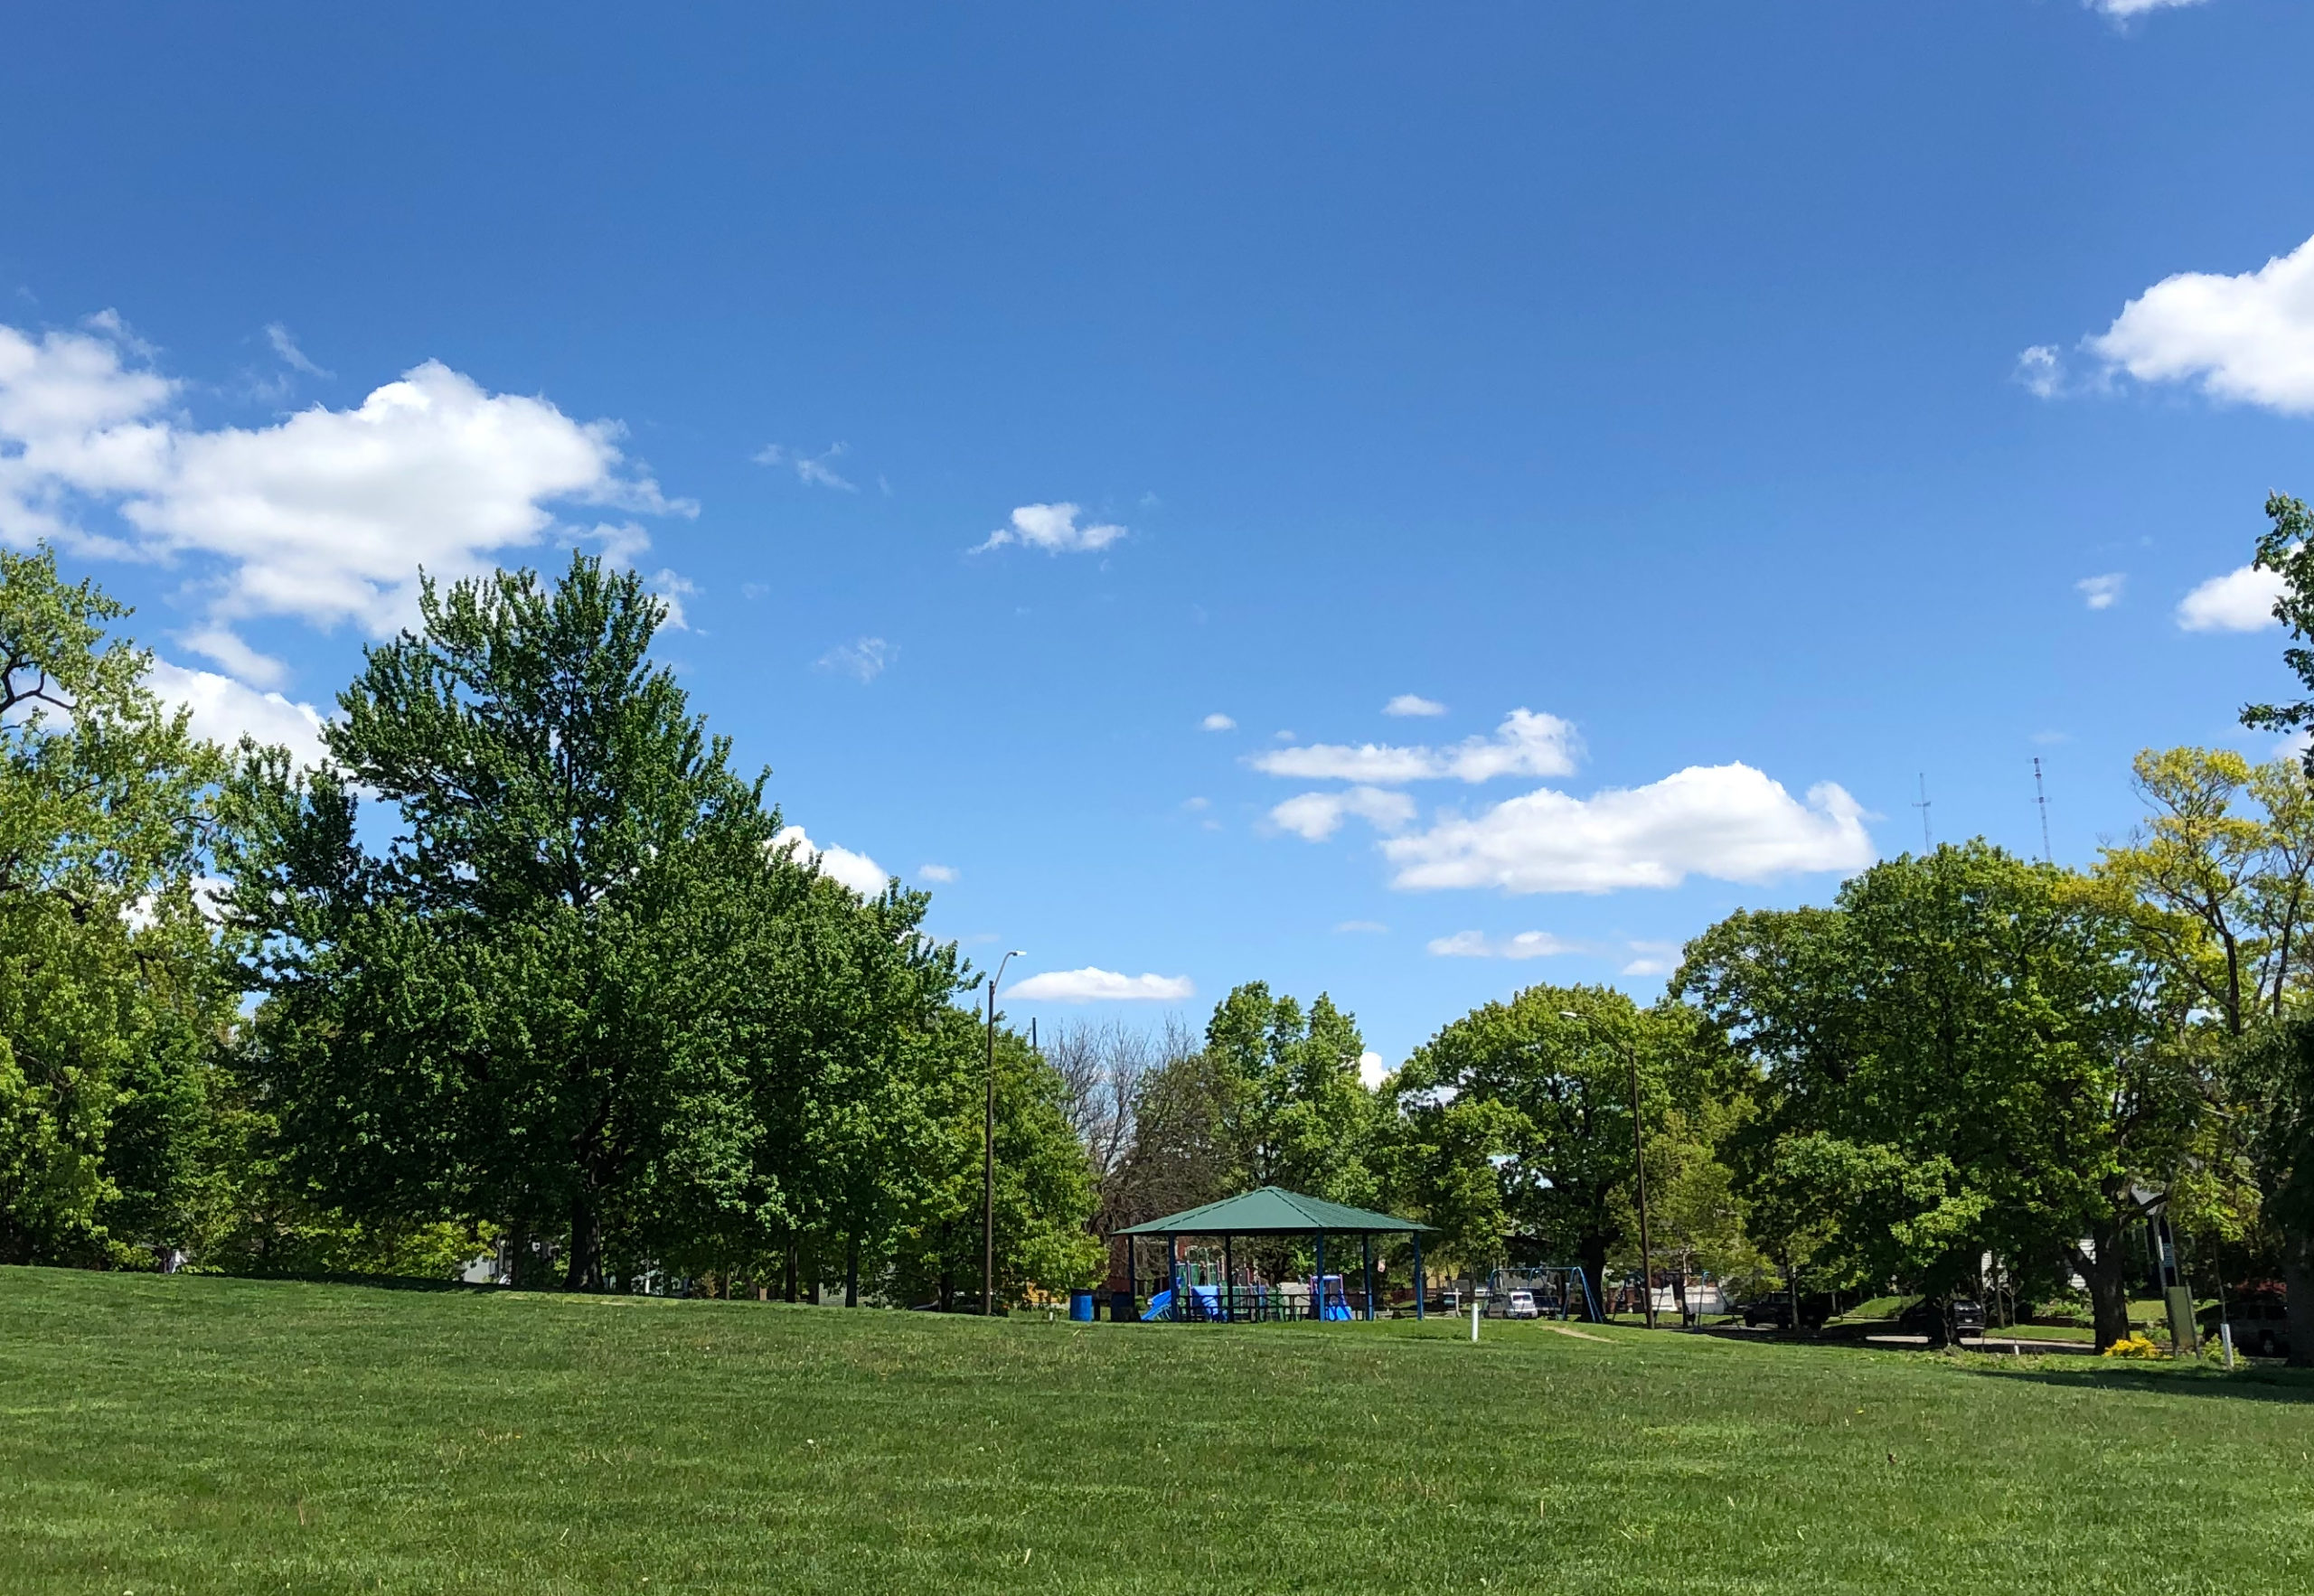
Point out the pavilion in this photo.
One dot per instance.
(1274, 1211)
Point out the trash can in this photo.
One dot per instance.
(1080, 1307)
(1123, 1307)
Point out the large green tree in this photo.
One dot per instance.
(1968, 1054)
(113, 1003)
(575, 986)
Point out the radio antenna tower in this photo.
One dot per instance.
(2041, 797)
(1927, 843)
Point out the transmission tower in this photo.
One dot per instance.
(1927, 843)
(2041, 797)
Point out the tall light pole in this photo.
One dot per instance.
(1639, 1164)
(988, 1152)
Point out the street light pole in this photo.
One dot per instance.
(1638, 1161)
(988, 1158)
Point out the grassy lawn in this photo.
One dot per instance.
(187, 1434)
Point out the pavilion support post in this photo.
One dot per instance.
(1418, 1276)
(1318, 1297)
(1174, 1276)
(1366, 1247)
(1228, 1285)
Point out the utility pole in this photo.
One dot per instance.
(1927, 844)
(988, 1153)
(2041, 797)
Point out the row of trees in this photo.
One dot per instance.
(525, 962)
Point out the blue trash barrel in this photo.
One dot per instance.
(1080, 1307)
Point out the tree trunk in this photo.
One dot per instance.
(584, 1272)
(2108, 1277)
(851, 1270)
(787, 1273)
(1594, 1251)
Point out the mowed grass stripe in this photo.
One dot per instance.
(209, 1435)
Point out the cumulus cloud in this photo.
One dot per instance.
(810, 470)
(2239, 601)
(2101, 593)
(1654, 958)
(1052, 527)
(325, 516)
(937, 872)
(863, 659)
(1525, 744)
(224, 710)
(671, 590)
(1090, 985)
(2125, 9)
(1372, 1070)
(1526, 944)
(1730, 823)
(1316, 816)
(1408, 703)
(1216, 722)
(856, 870)
(2248, 338)
(1363, 927)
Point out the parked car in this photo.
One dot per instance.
(1522, 1306)
(1815, 1308)
(1942, 1320)
(2260, 1323)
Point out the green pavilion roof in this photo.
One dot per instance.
(1273, 1211)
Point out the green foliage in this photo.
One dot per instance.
(1533, 1098)
(111, 1001)
(1970, 1054)
(579, 990)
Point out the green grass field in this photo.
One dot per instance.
(192, 1434)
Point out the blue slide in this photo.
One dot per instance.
(1158, 1305)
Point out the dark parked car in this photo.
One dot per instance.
(1815, 1308)
(1942, 1320)
(2261, 1324)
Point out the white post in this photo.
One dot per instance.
(1474, 1318)
(2225, 1339)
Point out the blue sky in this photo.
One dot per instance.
(1744, 393)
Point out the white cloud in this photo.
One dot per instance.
(2101, 593)
(1316, 816)
(937, 872)
(856, 870)
(1372, 1070)
(2041, 370)
(671, 590)
(1408, 703)
(223, 709)
(863, 660)
(1727, 821)
(285, 348)
(2248, 338)
(2128, 8)
(325, 516)
(1655, 957)
(1090, 985)
(810, 470)
(1216, 722)
(1052, 527)
(1526, 944)
(1363, 927)
(2239, 601)
(1525, 744)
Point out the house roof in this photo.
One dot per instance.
(1273, 1211)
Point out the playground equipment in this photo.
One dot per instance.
(1560, 1290)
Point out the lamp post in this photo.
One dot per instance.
(988, 1157)
(1639, 1164)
